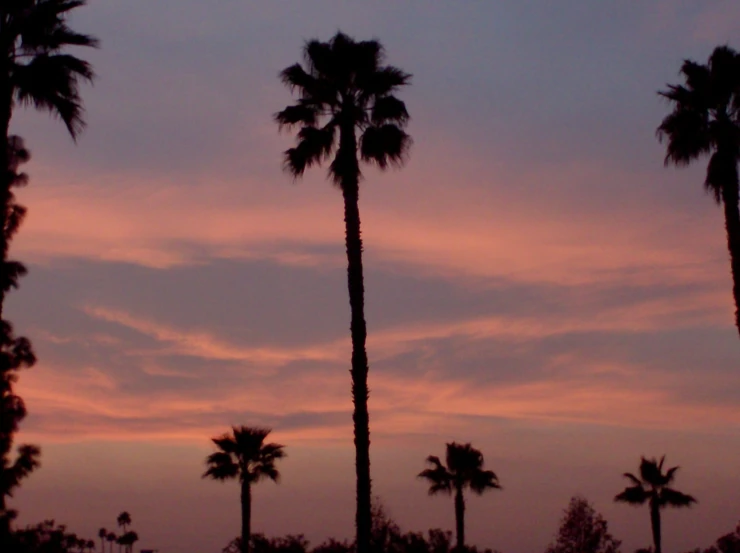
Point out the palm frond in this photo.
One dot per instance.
(481, 481)
(389, 109)
(299, 114)
(314, 145)
(634, 495)
(650, 472)
(634, 479)
(50, 82)
(384, 81)
(670, 475)
(385, 145)
(673, 498)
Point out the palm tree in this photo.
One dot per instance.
(102, 534)
(111, 537)
(243, 454)
(124, 519)
(464, 470)
(36, 70)
(344, 90)
(652, 488)
(706, 120)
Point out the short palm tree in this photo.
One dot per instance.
(464, 469)
(346, 109)
(652, 488)
(706, 121)
(243, 454)
(36, 70)
(102, 534)
(111, 538)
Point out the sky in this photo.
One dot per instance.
(537, 282)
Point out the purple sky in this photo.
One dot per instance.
(537, 282)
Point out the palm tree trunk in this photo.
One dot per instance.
(246, 516)
(6, 103)
(655, 525)
(460, 519)
(347, 158)
(102, 545)
(732, 226)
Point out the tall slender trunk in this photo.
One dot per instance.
(246, 516)
(347, 158)
(102, 545)
(655, 524)
(732, 226)
(460, 519)
(5, 181)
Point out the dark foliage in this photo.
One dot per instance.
(49, 537)
(16, 354)
(583, 530)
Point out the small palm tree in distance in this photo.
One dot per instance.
(464, 470)
(243, 454)
(652, 487)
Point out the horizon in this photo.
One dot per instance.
(537, 282)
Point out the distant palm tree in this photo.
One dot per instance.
(706, 121)
(102, 534)
(90, 545)
(124, 519)
(652, 488)
(344, 90)
(111, 537)
(464, 470)
(243, 454)
(128, 539)
(36, 70)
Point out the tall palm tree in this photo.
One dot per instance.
(243, 454)
(652, 488)
(36, 70)
(706, 121)
(102, 534)
(346, 109)
(464, 469)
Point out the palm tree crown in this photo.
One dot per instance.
(464, 470)
(244, 455)
(34, 35)
(706, 121)
(652, 487)
(344, 87)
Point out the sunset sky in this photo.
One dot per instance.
(537, 282)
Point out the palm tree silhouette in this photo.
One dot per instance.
(102, 534)
(37, 71)
(652, 488)
(464, 470)
(344, 90)
(124, 519)
(706, 120)
(111, 537)
(243, 454)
